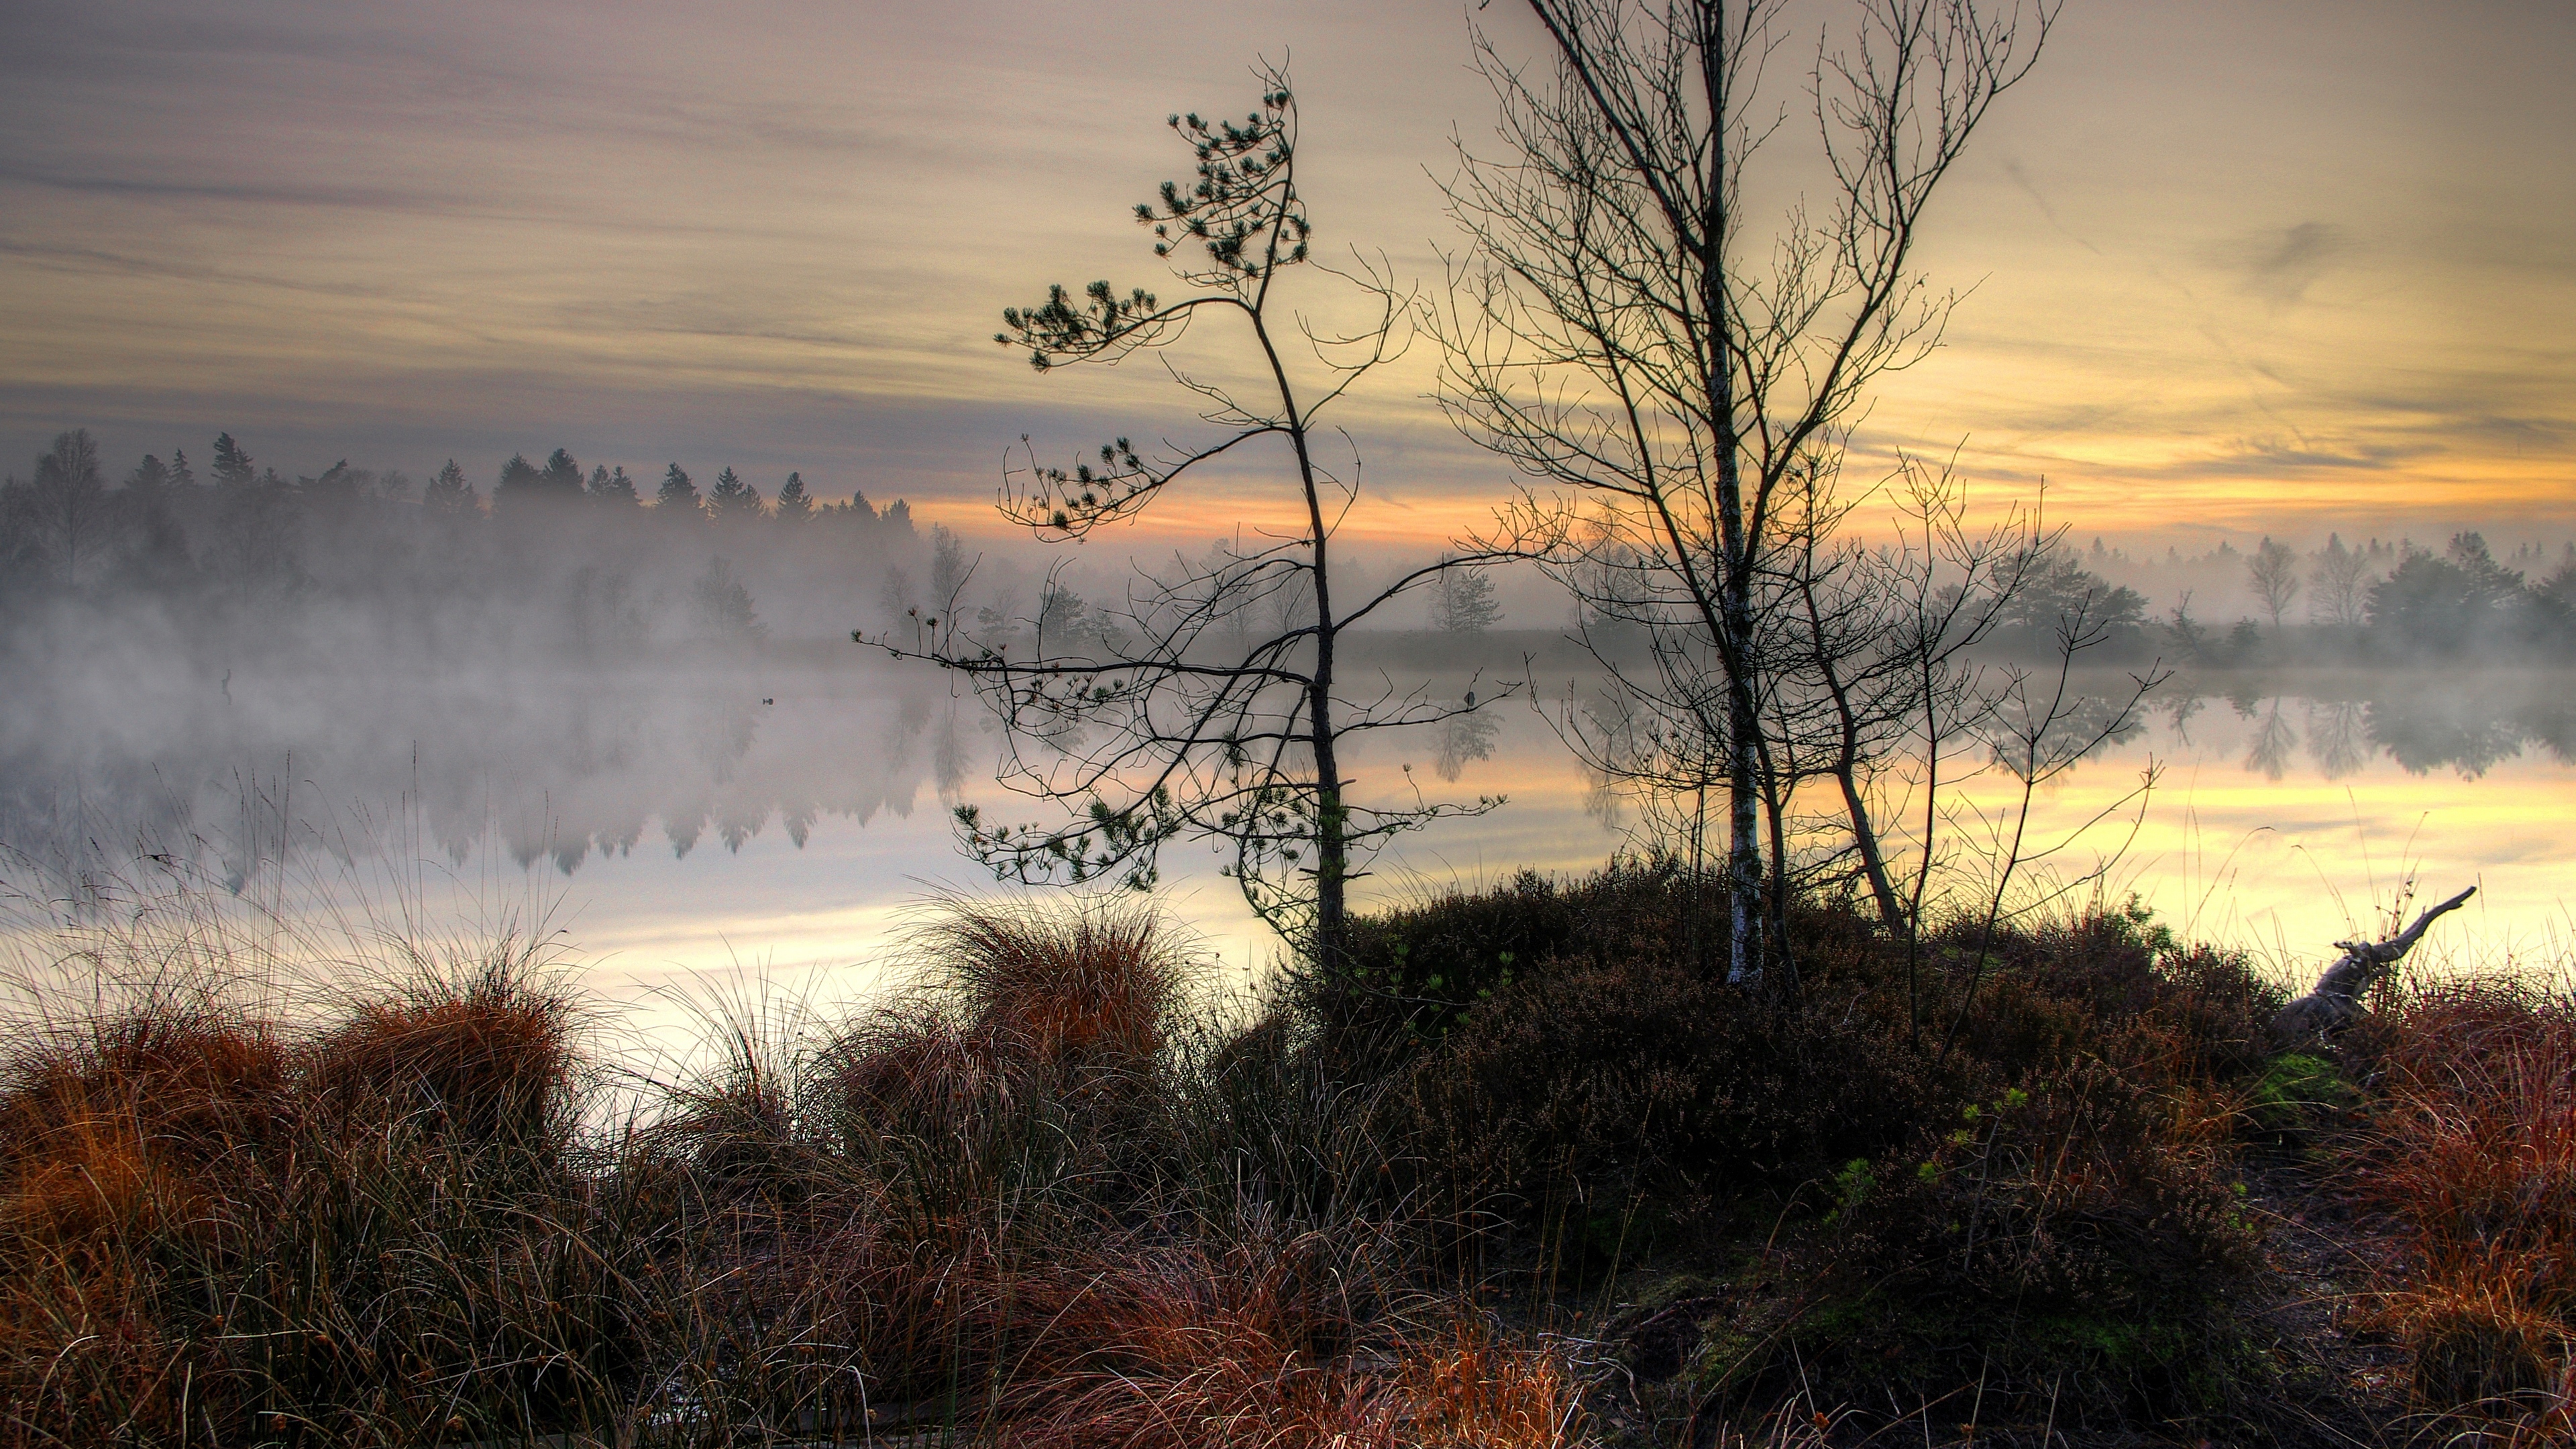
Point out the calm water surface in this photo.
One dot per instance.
(690, 832)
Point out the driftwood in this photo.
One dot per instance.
(2336, 1002)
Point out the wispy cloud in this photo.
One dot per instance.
(787, 237)
(2280, 266)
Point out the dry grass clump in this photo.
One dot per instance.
(115, 1136)
(219, 1228)
(117, 1124)
(2472, 1151)
(480, 1057)
(1036, 1199)
(1096, 984)
(1263, 1344)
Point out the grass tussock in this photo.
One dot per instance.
(2471, 1152)
(1528, 1173)
(1043, 1196)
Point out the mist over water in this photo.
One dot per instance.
(781, 810)
(644, 726)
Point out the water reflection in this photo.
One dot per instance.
(1464, 739)
(554, 766)
(564, 772)
(2338, 736)
(2422, 722)
(2272, 742)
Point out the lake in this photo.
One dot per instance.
(712, 822)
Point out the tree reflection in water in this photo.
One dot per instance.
(1464, 738)
(548, 765)
(2273, 741)
(2421, 723)
(2337, 738)
(556, 767)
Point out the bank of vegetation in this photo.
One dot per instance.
(1529, 1172)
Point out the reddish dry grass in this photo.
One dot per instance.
(913, 1071)
(487, 1059)
(1096, 984)
(122, 1128)
(144, 1155)
(1259, 1345)
(1471, 1389)
(2475, 1157)
(377, 1231)
(132, 1132)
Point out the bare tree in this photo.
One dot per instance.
(1463, 602)
(1623, 330)
(2273, 569)
(2341, 579)
(70, 502)
(1209, 700)
(1874, 690)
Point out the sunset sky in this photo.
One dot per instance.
(2237, 267)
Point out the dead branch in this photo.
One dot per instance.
(2336, 1001)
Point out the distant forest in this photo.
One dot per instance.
(554, 556)
(2376, 602)
(551, 556)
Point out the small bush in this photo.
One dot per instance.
(1414, 972)
(2297, 1094)
(2079, 1239)
(1610, 1082)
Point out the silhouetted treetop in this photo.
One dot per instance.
(734, 500)
(449, 493)
(677, 499)
(794, 506)
(612, 488)
(561, 476)
(232, 464)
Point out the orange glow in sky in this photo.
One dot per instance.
(2231, 268)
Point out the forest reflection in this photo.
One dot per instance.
(555, 768)
(2421, 722)
(546, 765)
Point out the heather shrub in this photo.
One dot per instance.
(1640, 1080)
(2107, 984)
(2001, 1156)
(2079, 1239)
(1414, 971)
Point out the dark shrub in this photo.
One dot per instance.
(2079, 1241)
(1643, 1080)
(1414, 971)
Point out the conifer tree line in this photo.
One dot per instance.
(593, 554)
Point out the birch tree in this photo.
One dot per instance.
(1671, 371)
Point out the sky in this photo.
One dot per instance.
(2266, 266)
